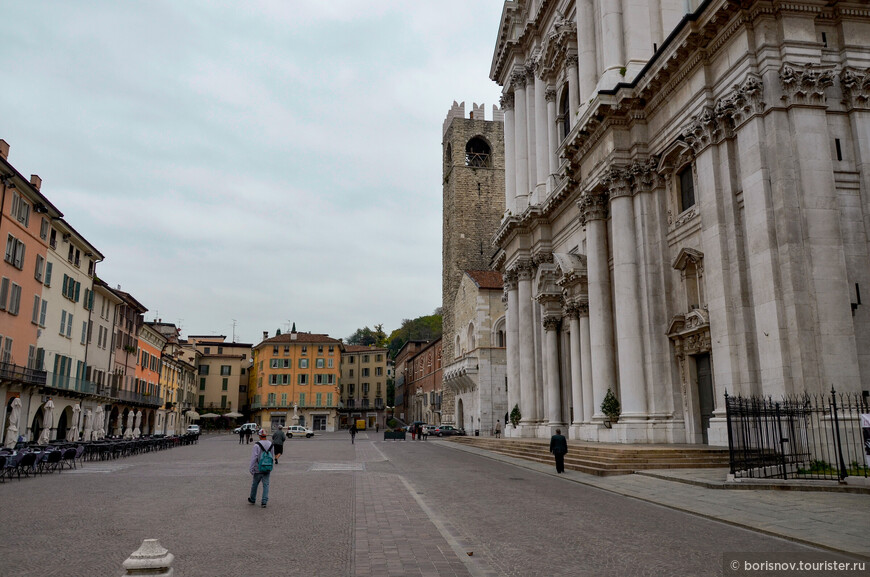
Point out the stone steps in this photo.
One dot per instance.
(605, 459)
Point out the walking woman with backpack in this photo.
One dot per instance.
(262, 461)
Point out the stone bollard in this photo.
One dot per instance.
(150, 559)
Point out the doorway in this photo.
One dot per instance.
(705, 393)
(319, 422)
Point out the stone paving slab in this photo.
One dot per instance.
(834, 521)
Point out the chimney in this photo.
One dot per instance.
(265, 335)
(35, 181)
(4, 149)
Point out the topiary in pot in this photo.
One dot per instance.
(610, 406)
(515, 416)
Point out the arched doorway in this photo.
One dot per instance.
(111, 423)
(36, 424)
(63, 422)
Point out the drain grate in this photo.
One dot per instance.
(337, 467)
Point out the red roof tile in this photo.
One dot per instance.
(486, 279)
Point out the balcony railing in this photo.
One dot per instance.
(23, 375)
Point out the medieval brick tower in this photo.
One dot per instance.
(473, 191)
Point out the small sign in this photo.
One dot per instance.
(865, 430)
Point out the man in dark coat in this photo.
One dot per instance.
(559, 447)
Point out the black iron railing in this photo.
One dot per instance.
(23, 375)
(798, 437)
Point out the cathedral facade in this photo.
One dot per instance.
(686, 209)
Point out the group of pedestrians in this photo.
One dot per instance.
(245, 435)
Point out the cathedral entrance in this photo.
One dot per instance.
(705, 393)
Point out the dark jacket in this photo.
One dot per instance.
(558, 445)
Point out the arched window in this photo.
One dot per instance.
(477, 153)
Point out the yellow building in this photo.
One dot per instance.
(297, 381)
(363, 385)
(222, 374)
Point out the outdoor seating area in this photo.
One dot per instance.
(31, 459)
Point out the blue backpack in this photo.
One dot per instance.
(266, 461)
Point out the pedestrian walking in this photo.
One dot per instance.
(262, 458)
(559, 447)
(497, 429)
(278, 438)
(248, 434)
(413, 433)
(352, 433)
(241, 436)
(377, 427)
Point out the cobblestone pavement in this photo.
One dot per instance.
(380, 508)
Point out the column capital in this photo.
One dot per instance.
(572, 59)
(525, 269)
(618, 182)
(531, 67)
(510, 279)
(577, 309)
(644, 175)
(550, 95)
(507, 101)
(593, 206)
(805, 84)
(518, 79)
(551, 322)
(856, 87)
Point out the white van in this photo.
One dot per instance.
(299, 431)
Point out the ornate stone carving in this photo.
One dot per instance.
(551, 323)
(644, 175)
(507, 101)
(703, 130)
(576, 309)
(856, 87)
(805, 84)
(593, 206)
(618, 182)
(572, 60)
(518, 79)
(525, 269)
(510, 279)
(686, 216)
(550, 95)
(531, 67)
(744, 101)
(542, 258)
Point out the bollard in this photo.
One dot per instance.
(150, 559)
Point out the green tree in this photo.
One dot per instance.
(425, 328)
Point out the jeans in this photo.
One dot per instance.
(264, 477)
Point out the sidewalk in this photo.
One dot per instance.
(837, 521)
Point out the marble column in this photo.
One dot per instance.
(573, 86)
(629, 330)
(552, 138)
(512, 339)
(542, 140)
(554, 396)
(586, 364)
(521, 150)
(528, 395)
(593, 207)
(576, 365)
(587, 65)
(510, 179)
(531, 133)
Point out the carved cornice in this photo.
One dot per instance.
(593, 206)
(805, 84)
(856, 87)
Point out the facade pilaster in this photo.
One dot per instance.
(587, 65)
(510, 178)
(521, 137)
(554, 396)
(629, 334)
(586, 363)
(571, 62)
(552, 138)
(528, 396)
(542, 140)
(612, 44)
(531, 133)
(512, 338)
(576, 364)
(593, 208)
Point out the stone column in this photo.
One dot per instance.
(542, 141)
(531, 133)
(573, 86)
(629, 330)
(586, 364)
(510, 178)
(552, 138)
(554, 397)
(528, 396)
(593, 208)
(637, 36)
(521, 200)
(613, 43)
(576, 365)
(512, 339)
(586, 52)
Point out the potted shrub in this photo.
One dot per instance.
(515, 416)
(611, 409)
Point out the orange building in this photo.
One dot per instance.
(297, 381)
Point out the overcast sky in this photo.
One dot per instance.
(264, 161)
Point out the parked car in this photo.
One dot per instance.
(253, 427)
(445, 431)
(193, 429)
(298, 430)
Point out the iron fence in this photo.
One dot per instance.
(797, 437)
